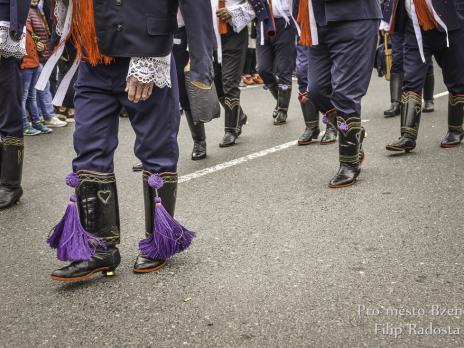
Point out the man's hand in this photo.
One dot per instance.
(223, 14)
(40, 47)
(138, 91)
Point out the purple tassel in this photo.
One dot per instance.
(343, 127)
(325, 120)
(68, 237)
(168, 237)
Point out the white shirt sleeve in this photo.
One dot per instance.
(151, 69)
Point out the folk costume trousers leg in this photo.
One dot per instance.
(99, 98)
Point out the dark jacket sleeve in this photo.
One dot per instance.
(18, 15)
(201, 39)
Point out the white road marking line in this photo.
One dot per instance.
(262, 153)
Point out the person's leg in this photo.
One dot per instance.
(429, 87)
(11, 133)
(234, 48)
(396, 78)
(26, 81)
(34, 103)
(351, 47)
(414, 77)
(284, 52)
(320, 87)
(95, 140)
(453, 75)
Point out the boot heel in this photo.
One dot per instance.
(109, 273)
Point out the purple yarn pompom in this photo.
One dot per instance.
(73, 180)
(343, 127)
(325, 120)
(155, 181)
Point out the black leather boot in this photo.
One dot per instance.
(351, 135)
(396, 84)
(429, 87)
(311, 118)
(410, 119)
(455, 133)
(330, 135)
(97, 202)
(235, 119)
(11, 167)
(167, 194)
(275, 93)
(198, 136)
(283, 101)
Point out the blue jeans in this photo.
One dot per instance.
(44, 100)
(29, 103)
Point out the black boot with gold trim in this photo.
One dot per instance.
(429, 86)
(11, 167)
(283, 102)
(455, 133)
(351, 135)
(199, 137)
(275, 93)
(410, 118)
(330, 135)
(97, 203)
(235, 119)
(396, 84)
(311, 118)
(168, 195)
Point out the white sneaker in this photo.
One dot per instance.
(55, 123)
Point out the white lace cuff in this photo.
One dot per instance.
(241, 16)
(384, 26)
(151, 69)
(61, 7)
(9, 47)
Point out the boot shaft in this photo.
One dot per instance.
(11, 161)
(455, 112)
(283, 98)
(429, 86)
(411, 110)
(396, 85)
(197, 130)
(310, 113)
(167, 193)
(97, 202)
(350, 138)
(232, 114)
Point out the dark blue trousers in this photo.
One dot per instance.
(11, 123)
(276, 58)
(340, 67)
(302, 67)
(448, 58)
(397, 43)
(99, 98)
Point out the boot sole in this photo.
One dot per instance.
(328, 142)
(198, 158)
(279, 123)
(226, 145)
(342, 186)
(302, 143)
(149, 270)
(399, 149)
(105, 270)
(449, 146)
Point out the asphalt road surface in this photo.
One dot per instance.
(280, 260)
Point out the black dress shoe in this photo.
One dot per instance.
(146, 265)
(9, 196)
(137, 167)
(199, 150)
(330, 136)
(404, 143)
(310, 134)
(346, 176)
(394, 110)
(455, 133)
(104, 261)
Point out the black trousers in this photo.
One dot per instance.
(234, 49)
(448, 58)
(276, 58)
(11, 123)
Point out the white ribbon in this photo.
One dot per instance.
(64, 85)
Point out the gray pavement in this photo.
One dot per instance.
(280, 259)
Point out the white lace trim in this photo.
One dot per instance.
(61, 7)
(241, 16)
(8, 46)
(151, 69)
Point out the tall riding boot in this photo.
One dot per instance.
(455, 118)
(167, 194)
(11, 167)
(429, 87)
(235, 118)
(198, 136)
(275, 93)
(311, 118)
(410, 119)
(351, 134)
(330, 135)
(396, 84)
(283, 101)
(97, 203)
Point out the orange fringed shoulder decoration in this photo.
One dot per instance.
(424, 15)
(304, 23)
(83, 34)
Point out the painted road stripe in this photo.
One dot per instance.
(262, 153)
